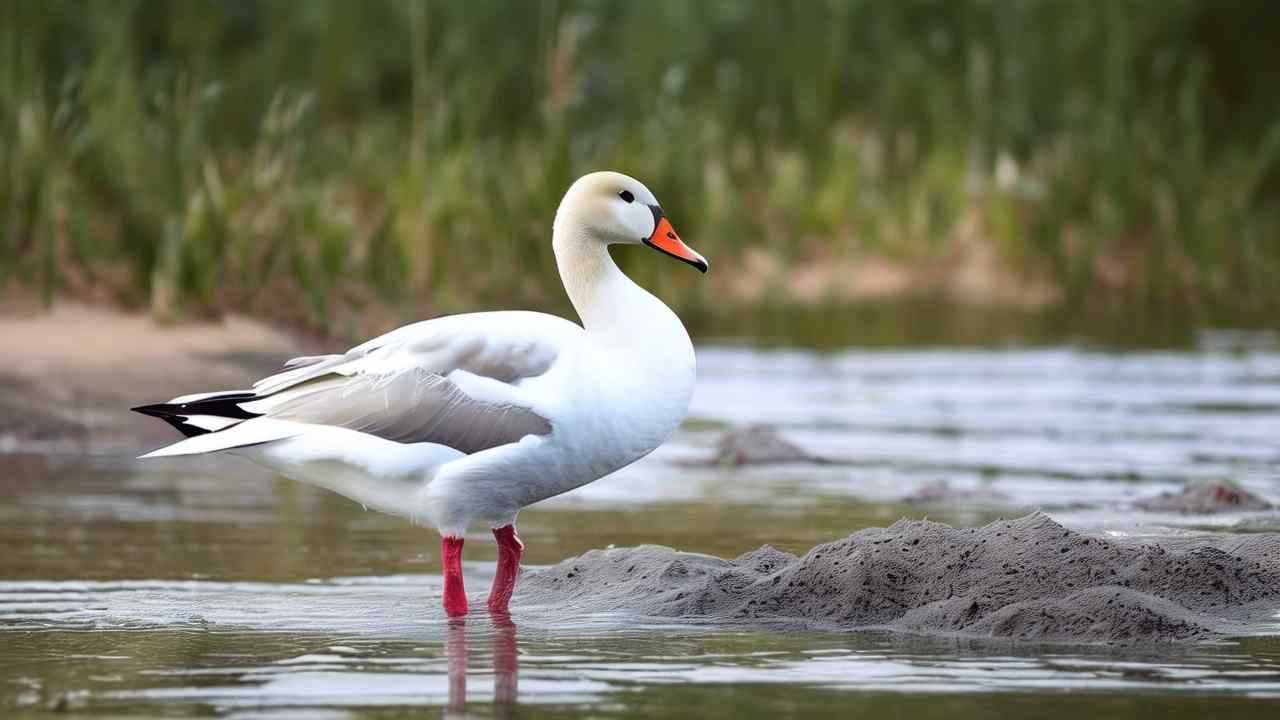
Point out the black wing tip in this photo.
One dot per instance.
(176, 414)
(169, 413)
(224, 405)
(160, 410)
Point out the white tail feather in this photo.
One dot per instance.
(249, 432)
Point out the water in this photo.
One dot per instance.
(208, 587)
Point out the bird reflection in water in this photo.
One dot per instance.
(506, 666)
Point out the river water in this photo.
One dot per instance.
(209, 587)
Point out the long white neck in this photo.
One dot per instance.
(610, 304)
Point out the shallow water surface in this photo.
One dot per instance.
(208, 587)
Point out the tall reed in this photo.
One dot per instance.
(317, 161)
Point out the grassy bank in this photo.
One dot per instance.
(339, 164)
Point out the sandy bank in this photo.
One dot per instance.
(69, 375)
(1029, 578)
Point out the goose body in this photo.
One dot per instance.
(468, 418)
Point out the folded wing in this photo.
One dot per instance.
(453, 381)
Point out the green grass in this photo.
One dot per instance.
(336, 164)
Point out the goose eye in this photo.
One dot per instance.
(627, 196)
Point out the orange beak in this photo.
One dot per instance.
(664, 238)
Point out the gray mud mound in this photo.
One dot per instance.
(1028, 578)
(1205, 497)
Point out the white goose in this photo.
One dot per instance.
(469, 418)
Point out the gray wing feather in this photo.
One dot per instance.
(410, 407)
(397, 386)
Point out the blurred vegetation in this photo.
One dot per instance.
(320, 162)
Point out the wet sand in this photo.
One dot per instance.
(1029, 579)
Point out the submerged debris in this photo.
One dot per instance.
(759, 445)
(1205, 497)
(1029, 578)
(939, 492)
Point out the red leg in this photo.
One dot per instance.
(455, 595)
(504, 582)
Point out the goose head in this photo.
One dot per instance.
(615, 209)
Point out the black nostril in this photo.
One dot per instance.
(671, 235)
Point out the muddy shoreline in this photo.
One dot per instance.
(1025, 579)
